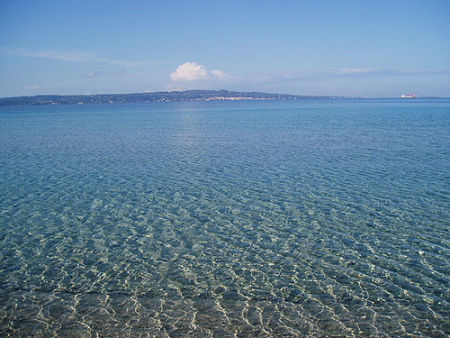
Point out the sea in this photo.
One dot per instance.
(226, 219)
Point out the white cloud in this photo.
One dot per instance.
(358, 70)
(91, 74)
(190, 71)
(220, 74)
(96, 74)
(64, 55)
(330, 74)
(34, 87)
(73, 56)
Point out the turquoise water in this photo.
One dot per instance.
(226, 219)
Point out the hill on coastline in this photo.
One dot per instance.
(170, 96)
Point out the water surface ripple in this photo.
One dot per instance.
(320, 218)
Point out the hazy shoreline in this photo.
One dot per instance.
(169, 96)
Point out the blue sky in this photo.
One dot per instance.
(355, 48)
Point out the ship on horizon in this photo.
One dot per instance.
(409, 96)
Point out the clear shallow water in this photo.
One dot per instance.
(226, 218)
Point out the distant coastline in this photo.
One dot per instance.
(169, 96)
